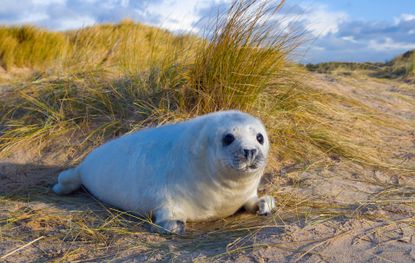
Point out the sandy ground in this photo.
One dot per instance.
(338, 211)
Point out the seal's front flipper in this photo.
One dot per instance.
(262, 206)
(170, 227)
(167, 224)
(265, 205)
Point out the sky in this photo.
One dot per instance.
(336, 30)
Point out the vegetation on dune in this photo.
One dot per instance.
(27, 46)
(402, 66)
(327, 67)
(120, 78)
(126, 47)
(103, 81)
(242, 58)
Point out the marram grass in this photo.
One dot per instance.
(126, 47)
(114, 79)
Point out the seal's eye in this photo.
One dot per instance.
(228, 139)
(260, 138)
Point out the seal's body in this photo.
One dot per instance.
(202, 169)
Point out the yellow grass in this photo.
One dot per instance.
(108, 80)
(127, 47)
(114, 79)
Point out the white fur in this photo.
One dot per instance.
(179, 172)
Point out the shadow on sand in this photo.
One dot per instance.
(31, 184)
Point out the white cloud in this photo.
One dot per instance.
(178, 15)
(125, 3)
(317, 20)
(350, 39)
(70, 23)
(364, 40)
(389, 44)
(321, 22)
(335, 34)
(32, 17)
(47, 2)
(25, 20)
(404, 17)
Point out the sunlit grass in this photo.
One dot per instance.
(115, 79)
(27, 46)
(126, 48)
(401, 67)
(162, 78)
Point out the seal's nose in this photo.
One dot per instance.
(250, 154)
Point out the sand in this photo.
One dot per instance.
(339, 211)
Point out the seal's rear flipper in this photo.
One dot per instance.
(68, 181)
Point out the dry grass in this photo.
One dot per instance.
(161, 78)
(92, 231)
(243, 58)
(115, 79)
(125, 48)
(27, 46)
(401, 67)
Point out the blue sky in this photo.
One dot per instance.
(371, 9)
(341, 30)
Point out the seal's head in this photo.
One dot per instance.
(241, 143)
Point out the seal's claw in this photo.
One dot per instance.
(264, 213)
(170, 227)
(265, 205)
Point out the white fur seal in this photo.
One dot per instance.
(201, 169)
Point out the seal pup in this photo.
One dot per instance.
(202, 169)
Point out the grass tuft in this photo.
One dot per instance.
(111, 79)
(242, 58)
(123, 77)
(28, 46)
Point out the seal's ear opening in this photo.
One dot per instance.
(200, 141)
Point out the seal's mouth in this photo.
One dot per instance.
(240, 163)
(252, 167)
(247, 165)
